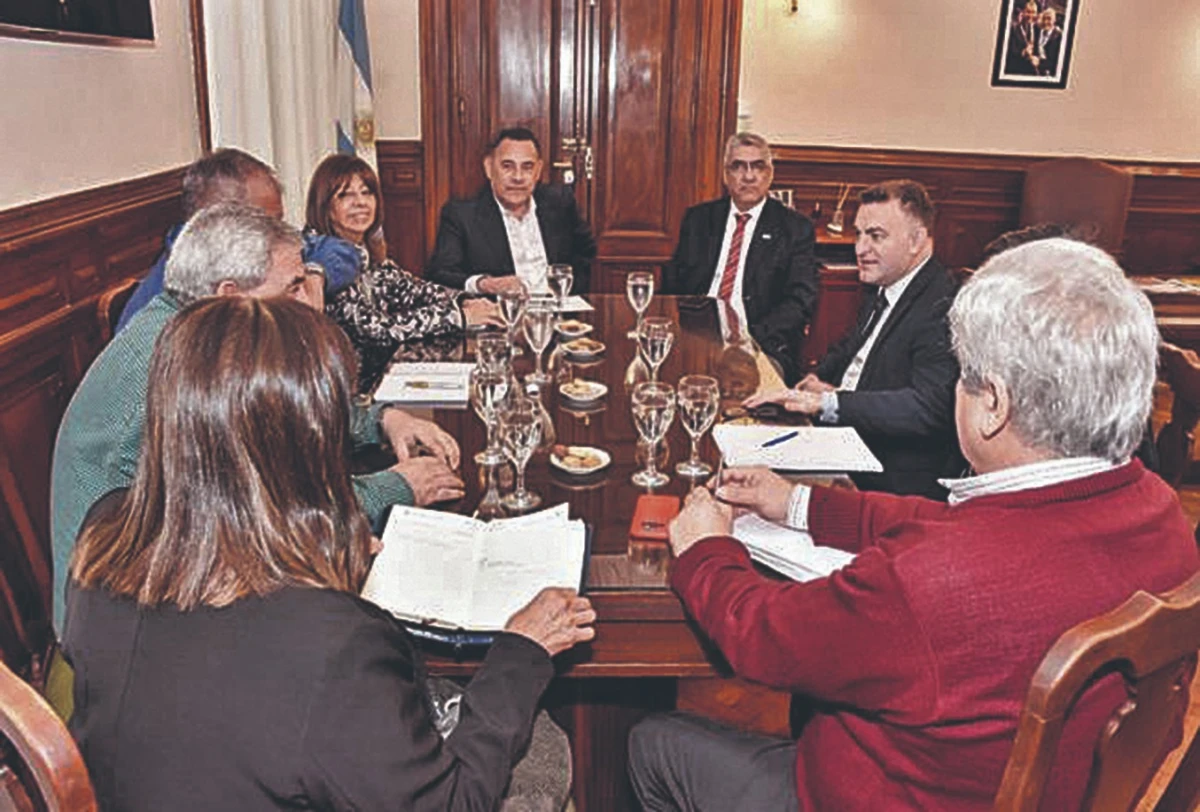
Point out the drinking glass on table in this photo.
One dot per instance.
(561, 277)
(539, 326)
(699, 397)
(520, 433)
(512, 311)
(493, 351)
(653, 406)
(639, 287)
(655, 336)
(489, 388)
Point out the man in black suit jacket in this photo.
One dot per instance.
(514, 228)
(762, 264)
(892, 377)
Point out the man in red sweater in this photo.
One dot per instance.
(919, 653)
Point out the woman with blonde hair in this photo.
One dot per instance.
(386, 306)
(222, 656)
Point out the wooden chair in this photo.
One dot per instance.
(40, 766)
(1180, 368)
(1152, 643)
(111, 305)
(1090, 195)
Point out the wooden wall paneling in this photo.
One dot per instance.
(837, 311)
(401, 171)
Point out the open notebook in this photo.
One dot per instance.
(832, 449)
(454, 572)
(789, 552)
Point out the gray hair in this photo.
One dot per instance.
(220, 177)
(227, 242)
(1074, 343)
(748, 139)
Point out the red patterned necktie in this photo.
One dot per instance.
(735, 254)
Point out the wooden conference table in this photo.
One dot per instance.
(643, 643)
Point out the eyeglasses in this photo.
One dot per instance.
(747, 167)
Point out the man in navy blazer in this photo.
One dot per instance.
(751, 253)
(892, 376)
(514, 228)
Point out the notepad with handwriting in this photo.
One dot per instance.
(787, 551)
(829, 449)
(452, 571)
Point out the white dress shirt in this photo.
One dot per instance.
(1007, 480)
(527, 247)
(747, 235)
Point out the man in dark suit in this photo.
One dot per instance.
(514, 228)
(892, 377)
(753, 253)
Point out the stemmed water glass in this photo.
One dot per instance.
(561, 277)
(539, 325)
(512, 311)
(493, 351)
(639, 287)
(699, 396)
(655, 336)
(653, 410)
(489, 387)
(520, 433)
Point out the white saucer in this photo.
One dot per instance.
(581, 391)
(565, 465)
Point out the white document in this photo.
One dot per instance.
(787, 551)
(575, 304)
(448, 570)
(433, 382)
(812, 448)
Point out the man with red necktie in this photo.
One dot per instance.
(752, 252)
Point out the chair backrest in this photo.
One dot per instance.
(1152, 643)
(111, 305)
(1090, 195)
(41, 767)
(1180, 368)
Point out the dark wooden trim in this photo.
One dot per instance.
(435, 121)
(77, 209)
(200, 74)
(401, 171)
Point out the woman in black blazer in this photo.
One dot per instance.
(223, 658)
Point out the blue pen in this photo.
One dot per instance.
(783, 438)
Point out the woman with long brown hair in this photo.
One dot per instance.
(386, 306)
(223, 658)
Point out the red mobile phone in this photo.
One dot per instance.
(652, 515)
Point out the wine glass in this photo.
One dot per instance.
(520, 433)
(539, 325)
(489, 388)
(512, 310)
(561, 277)
(655, 336)
(699, 397)
(653, 411)
(493, 351)
(639, 287)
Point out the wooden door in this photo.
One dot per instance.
(631, 99)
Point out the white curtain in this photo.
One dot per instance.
(280, 82)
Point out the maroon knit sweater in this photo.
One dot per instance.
(926, 643)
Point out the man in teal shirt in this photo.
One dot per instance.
(224, 250)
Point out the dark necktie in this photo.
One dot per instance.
(725, 291)
(877, 307)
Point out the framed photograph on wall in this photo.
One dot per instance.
(96, 22)
(1034, 42)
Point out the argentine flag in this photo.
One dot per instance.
(355, 107)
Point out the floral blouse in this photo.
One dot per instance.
(388, 306)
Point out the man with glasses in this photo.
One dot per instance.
(514, 229)
(752, 254)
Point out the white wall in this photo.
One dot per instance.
(76, 116)
(883, 73)
(395, 67)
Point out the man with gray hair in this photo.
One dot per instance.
(920, 651)
(224, 250)
(229, 175)
(753, 255)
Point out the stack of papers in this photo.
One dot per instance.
(787, 551)
(452, 571)
(428, 383)
(575, 304)
(830, 449)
